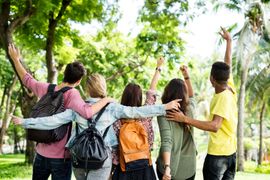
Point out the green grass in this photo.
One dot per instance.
(13, 167)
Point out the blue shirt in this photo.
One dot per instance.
(112, 113)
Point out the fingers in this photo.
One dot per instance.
(221, 34)
(12, 116)
(16, 120)
(223, 29)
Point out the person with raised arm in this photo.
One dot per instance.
(177, 154)
(129, 93)
(220, 161)
(51, 158)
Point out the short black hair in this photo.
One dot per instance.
(220, 72)
(74, 71)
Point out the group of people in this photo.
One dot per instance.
(177, 155)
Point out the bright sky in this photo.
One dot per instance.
(202, 37)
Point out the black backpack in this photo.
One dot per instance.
(88, 150)
(51, 103)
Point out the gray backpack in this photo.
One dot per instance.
(51, 103)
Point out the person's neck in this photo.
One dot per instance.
(64, 84)
(220, 88)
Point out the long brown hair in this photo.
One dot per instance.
(132, 95)
(176, 89)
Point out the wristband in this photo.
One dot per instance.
(158, 69)
(186, 78)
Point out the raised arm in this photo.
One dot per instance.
(38, 88)
(155, 78)
(16, 56)
(185, 73)
(226, 36)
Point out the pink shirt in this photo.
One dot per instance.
(72, 100)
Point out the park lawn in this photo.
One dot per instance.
(12, 166)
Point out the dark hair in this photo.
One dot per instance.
(73, 72)
(220, 72)
(132, 95)
(176, 89)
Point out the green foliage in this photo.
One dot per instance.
(13, 167)
(6, 73)
(161, 34)
(252, 167)
(250, 144)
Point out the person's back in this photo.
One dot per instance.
(224, 104)
(51, 157)
(220, 161)
(177, 154)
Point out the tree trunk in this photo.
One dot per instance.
(261, 135)
(50, 62)
(3, 99)
(16, 141)
(27, 102)
(241, 113)
(6, 115)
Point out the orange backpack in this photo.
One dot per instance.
(134, 147)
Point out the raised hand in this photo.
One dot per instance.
(184, 70)
(160, 62)
(14, 53)
(225, 34)
(175, 104)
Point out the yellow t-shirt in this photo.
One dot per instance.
(224, 104)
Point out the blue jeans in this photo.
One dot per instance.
(59, 169)
(219, 167)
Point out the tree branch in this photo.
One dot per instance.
(20, 20)
(121, 71)
(4, 14)
(65, 4)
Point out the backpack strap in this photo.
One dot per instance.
(105, 132)
(98, 116)
(64, 89)
(51, 88)
(77, 129)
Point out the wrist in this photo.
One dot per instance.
(186, 77)
(158, 68)
(186, 119)
(166, 166)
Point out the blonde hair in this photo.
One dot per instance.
(96, 86)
